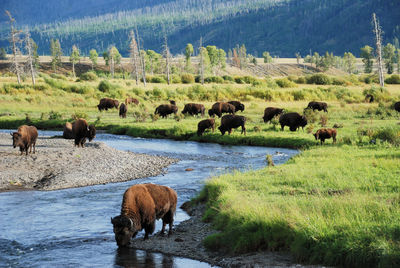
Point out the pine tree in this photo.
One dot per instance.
(56, 53)
(349, 62)
(188, 54)
(74, 58)
(114, 58)
(389, 57)
(93, 56)
(367, 58)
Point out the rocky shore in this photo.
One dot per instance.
(57, 164)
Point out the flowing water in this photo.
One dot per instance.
(71, 227)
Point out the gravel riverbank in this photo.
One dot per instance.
(57, 164)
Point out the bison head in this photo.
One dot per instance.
(124, 230)
(223, 130)
(210, 112)
(316, 135)
(91, 132)
(303, 121)
(241, 107)
(17, 139)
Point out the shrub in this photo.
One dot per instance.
(214, 79)
(41, 87)
(78, 115)
(338, 81)
(187, 78)
(88, 76)
(301, 80)
(176, 79)
(158, 79)
(388, 134)
(319, 79)
(104, 86)
(239, 80)
(58, 76)
(228, 78)
(393, 79)
(298, 95)
(285, 83)
(54, 115)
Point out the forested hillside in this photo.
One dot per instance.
(282, 27)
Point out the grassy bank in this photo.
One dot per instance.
(332, 204)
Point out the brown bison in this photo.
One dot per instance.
(166, 109)
(131, 100)
(316, 105)
(271, 112)
(325, 133)
(122, 110)
(67, 132)
(369, 98)
(25, 138)
(230, 121)
(293, 120)
(397, 106)
(107, 103)
(238, 105)
(219, 108)
(81, 130)
(194, 109)
(205, 124)
(142, 204)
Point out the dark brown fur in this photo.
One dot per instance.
(67, 133)
(316, 105)
(194, 109)
(25, 138)
(397, 106)
(142, 204)
(131, 100)
(107, 103)
(369, 98)
(238, 105)
(219, 108)
(81, 131)
(230, 121)
(122, 110)
(293, 120)
(271, 112)
(165, 109)
(325, 133)
(205, 124)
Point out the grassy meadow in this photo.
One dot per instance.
(332, 204)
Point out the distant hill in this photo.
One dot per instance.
(282, 27)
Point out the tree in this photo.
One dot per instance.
(398, 60)
(134, 56)
(114, 58)
(235, 58)
(267, 57)
(93, 56)
(389, 57)
(243, 56)
(349, 61)
(14, 39)
(153, 60)
(221, 59)
(188, 54)
(141, 57)
(30, 56)
(74, 58)
(367, 58)
(3, 54)
(378, 38)
(298, 57)
(167, 56)
(56, 53)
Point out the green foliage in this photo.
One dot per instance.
(367, 58)
(285, 83)
(93, 56)
(319, 79)
(88, 76)
(389, 57)
(3, 54)
(55, 115)
(393, 79)
(105, 86)
(267, 57)
(214, 79)
(176, 79)
(187, 78)
(228, 78)
(158, 80)
(56, 53)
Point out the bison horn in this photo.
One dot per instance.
(11, 133)
(112, 220)
(131, 227)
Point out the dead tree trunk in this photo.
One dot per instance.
(201, 61)
(166, 55)
(142, 60)
(378, 39)
(134, 55)
(15, 51)
(31, 66)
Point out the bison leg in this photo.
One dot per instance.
(243, 130)
(230, 131)
(282, 127)
(168, 218)
(334, 139)
(149, 229)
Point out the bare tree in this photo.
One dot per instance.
(134, 55)
(14, 39)
(201, 61)
(378, 38)
(167, 58)
(30, 60)
(141, 56)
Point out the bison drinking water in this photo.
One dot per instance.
(325, 133)
(25, 138)
(293, 120)
(205, 124)
(166, 109)
(194, 109)
(107, 103)
(271, 112)
(142, 204)
(230, 121)
(219, 108)
(316, 105)
(81, 130)
(238, 105)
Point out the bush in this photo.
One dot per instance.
(319, 79)
(58, 76)
(301, 80)
(158, 80)
(78, 115)
(394, 79)
(104, 86)
(285, 83)
(239, 80)
(88, 76)
(54, 115)
(176, 79)
(388, 134)
(187, 78)
(338, 81)
(228, 78)
(214, 79)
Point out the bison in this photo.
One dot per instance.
(81, 130)
(122, 110)
(67, 132)
(369, 98)
(194, 109)
(230, 121)
(107, 103)
(293, 120)
(205, 124)
(166, 109)
(316, 105)
(141, 205)
(219, 108)
(271, 112)
(131, 100)
(172, 102)
(397, 106)
(325, 133)
(238, 105)
(25, 138)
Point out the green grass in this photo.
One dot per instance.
(332, 204)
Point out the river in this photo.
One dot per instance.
(71, 227)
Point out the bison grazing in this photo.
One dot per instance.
(219, 108)
(230, 121)
(131, 100)
(293, 120)
(81, 130)
(142, 204)
(166, 109)
(107, 103)
(25, 138)
(316, 105)
(238, 105)
(397, 106)
(194, 109)
(271, 112)
(122, 110)
(325, 133)
(67, 133)
(205, 124)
